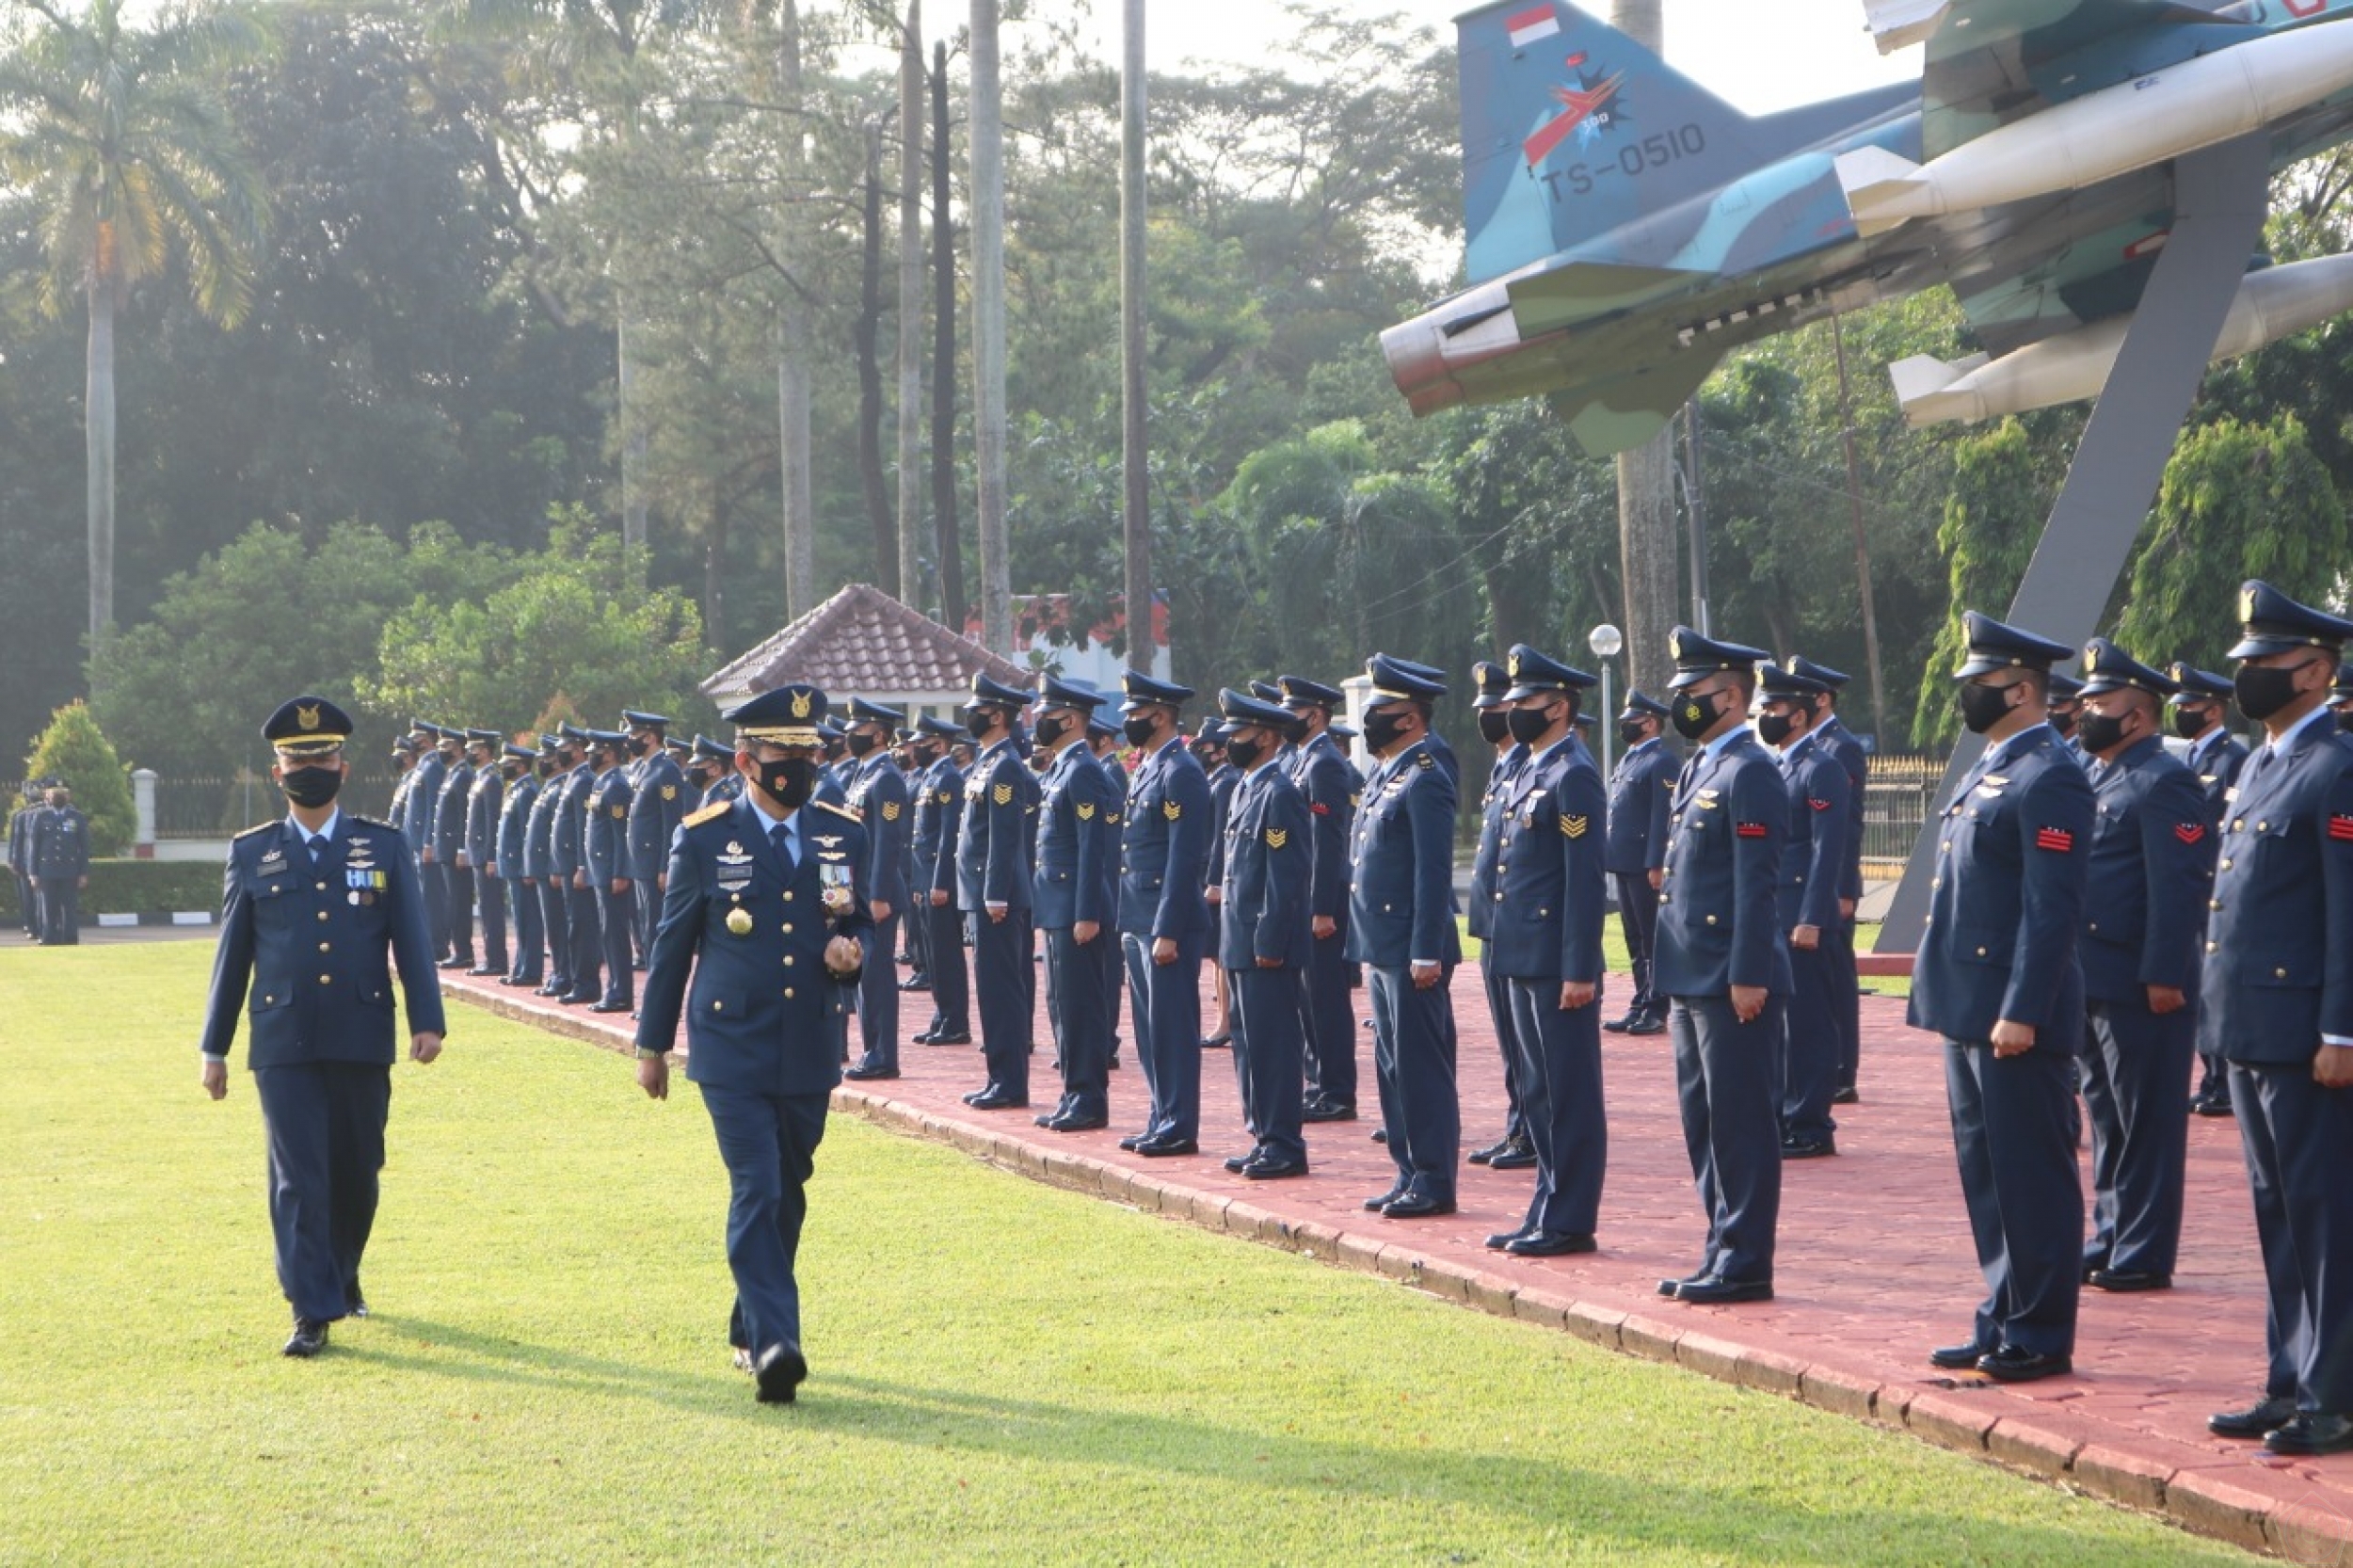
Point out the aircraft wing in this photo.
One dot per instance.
(2098, 275)
(1629, 409)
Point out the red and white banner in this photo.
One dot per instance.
(1531, 27)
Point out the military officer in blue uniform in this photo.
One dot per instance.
(1812, 859)
(1642, 795)
(449, 851)
(657, 801)
(21, 855)
(2278, 1006)
(2201, 724)
(1996, 975)
(485, 794)
(1550, 899)
(606, 867)
(939, 815)
(1507, 756)
(418, 827)
(1723, 965)
(763, 936)
(1332, 784)
(1075, 901)
(311, 904)
(1163, 918)
(994, 861)
(547, 867)
(2145, 898)
(725, 784)
(1209, 749)
(1401, 929)
(511, 863)
(60, 867)
(878, 792)
(404, 761)
(569, 843)
(1845, 749)
(1263, 937)
(2066, 709)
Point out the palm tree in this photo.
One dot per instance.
(131, 157)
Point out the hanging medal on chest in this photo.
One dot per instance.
(740, 922)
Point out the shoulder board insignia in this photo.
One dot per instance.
(838, 810)
(376, 822)
(1002, 794)
(1086, 810)
(1575, 827)
(669, 791)
(890, 810)
(1170, 809)
(711, 812)
(1750, 829)
(259, 828)
(1427, 760)
(1277, 836)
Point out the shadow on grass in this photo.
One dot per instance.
(1646, 1513)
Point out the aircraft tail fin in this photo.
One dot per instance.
(1570, 129)
(1875, 181)
(1922, 382)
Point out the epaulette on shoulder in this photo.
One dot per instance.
(1427, 760)
(839, 810)
(711, 812)
(261, 828)
(376, 822)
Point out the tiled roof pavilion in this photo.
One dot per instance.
(864, 643)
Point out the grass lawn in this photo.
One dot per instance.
(1002, 1372)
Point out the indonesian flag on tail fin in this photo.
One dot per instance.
(1533, 25)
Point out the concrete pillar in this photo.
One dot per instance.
(143, 801)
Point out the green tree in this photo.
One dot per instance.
(2238, 501)
(1993, 520)
(122, 134)
(76, 751)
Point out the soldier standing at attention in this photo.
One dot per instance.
(60, 868)
(762, 934)
(548, 872)
(1495, 727)
(993, 889)
(1845, 749)
(1332, 785)
(311, 907)
(21, 827)
(485, 797)
(2145, 895)
(449, 851)
(2278, 1007)
(1075, 902)
(604, 851)
(1997, 976)
(417, 827)
(1263, 937)
(569, 843)
(513, 862)
(1401, 929)
(1209, 749)
(1642, 792)
(878, 792)
(939, 814)
(1163, 916)
(656, 804)
(1812, 859)
(2201, 715)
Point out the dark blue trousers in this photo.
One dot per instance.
(433, 882)
(615, 911)
(1112, 955)
(1079, 1012)
(951, 1004)
(1329, 1019)
(1413, 1060)
(2136, 1063)
(555, 920)
(769, 1144)
(2299, 1141)
(1263, 1010)
(2026, 1201)
(1165, 1018)
(1728, 1085)
(1810, 1044)
(1003, 989)
(1560, 1077)
(878, 996)
(60, 912)
(490, 893)
(580, 904)
(1638, 916)
(649, 910)
(461, 905)
(1499, 1007)
(1838, 940)
(28, 905)
(325, 1125)
(529, 950)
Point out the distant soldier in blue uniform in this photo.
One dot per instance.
(2145, 900)
(1545, 943)
(1641, 795)
(512, 862)
(569, 846)
(1507, 757)
(725, 783)
(878, 792)
(2278, 1006)
(1332, 786)
(1401, 929)
(1723, 963)
(547, 867)
(1162, 917)
(1263, 937)
(657, 802)
(1813, 858)
(1075, 901)
(21, 855)
(2066, 711)
(317, 909)
(762, 935)
(1996, 975)
(1209, 749)
(1845, 749)
(418, 827)
(449, 851)
(60, 867)
(606, 864)
(2202, 723)
(485, 794)
(993, 890)
(939, 815)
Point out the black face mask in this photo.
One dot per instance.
(1773, 729)
(311, 788)
(860, 742)
(1632, 732)
(1694, 717)
(1495, 725)
(1527, 725)
(1245, 754)
(640, 745)
(2189, 722)
(699, 778)
(2064, 723)
(1383, 729)
(2264, 690)
(1983, 706)
(1141, 730)
(791, 781)
(2101, 732)
(545, 765)
(980, 723)
(1053, 727)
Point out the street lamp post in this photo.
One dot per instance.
(1605, 641)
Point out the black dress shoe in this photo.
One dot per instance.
(310, 1337)
(961, 1037)
(612, 1007)
(548, 991)
(1844, 1097)
(483, 969)
(1550, 1243)
(1956, 1358)
(915, 983)
(1133, 1139)
(515, 980)
(1619, 1026)
(1041, 1120)
(1416, 1206)
(1161, 1148)
(1808, 1148)
(1233, 1162)
(2265, 1414)
(864, 1074)
(1379, 1134)
(1479, 1157)
(452, 963)
(1503, 1238)
(2126, 1281)
(1518, 1154)
(1273, 1170)
(1328, 1112)
(980, 1094)
(1217, 1042)
(1724, 1292)
(2212, 1105)
(2310, 1433)
(1674, 1288)
(1000, 1101)
(780, 1369)
(568, 1000)
(1647, 1025)
(2009, 1364)
(1072, 1121)
(1377, 1204)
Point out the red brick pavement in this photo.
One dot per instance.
(1875, 1261)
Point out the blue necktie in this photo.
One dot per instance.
(318, 847)
(782, 837)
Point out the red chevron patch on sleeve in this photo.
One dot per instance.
(2058, 839)
(1750, 829)
(2189, 832)
(1320, 808)
(1817, 805)
(2341, 828)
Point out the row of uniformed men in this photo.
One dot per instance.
(49, 856)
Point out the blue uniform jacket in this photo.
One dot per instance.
(1333, 787)
(658, 794)
(484, 799)
(993, 856)
(2008, 898)
(1264, 910)
(308, 952)
(2146, 888)
(449, 813)
(538, 844)
(1719, 919)
(1165, 846)
(938, 813)
(879, 794)
(1848, 752)
(567, 839)
(1550, 884)
(1078, 844)
(2216, 773)
(1401, 906)
(424, 799)
(1641, 797)
(1225, 779)
(740, 948)
(1494, 814)
(604, 838)
(517, 817)
(2279, 966)
(1813, 858)
(61, 842)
